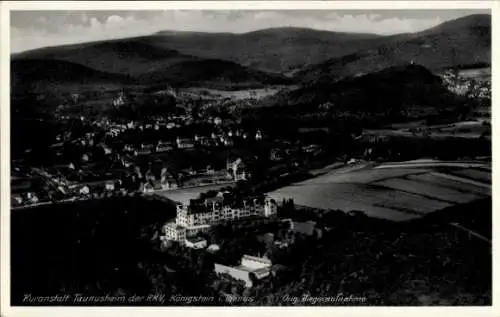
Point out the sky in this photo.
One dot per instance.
(35, 29)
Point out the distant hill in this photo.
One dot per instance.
(390, 90)
(275, 50)
(29, 73)
(203, 72)
(462, 41)
(132, 56)
(272, 50)
(309, 55)
(146, 61)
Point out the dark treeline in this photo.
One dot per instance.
(111, 247)
(89, 247)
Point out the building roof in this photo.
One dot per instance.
(198, 209)
(215, 199)
(259, 273)
(256, 259)
(213, 247)
(195, 239)
(173, 225)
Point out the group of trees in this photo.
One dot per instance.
(408, 148)
(386, 263)
(89, 247)
(111, 246)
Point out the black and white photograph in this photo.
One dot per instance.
(250, 157)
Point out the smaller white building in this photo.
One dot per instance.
(255, 263)
(196, 243)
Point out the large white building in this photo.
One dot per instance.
(199, 215)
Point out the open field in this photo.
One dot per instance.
(464, 129)
(183, 195)
(476, 73)
(457, 130)
(425, 163)
(398, 193)
(432, 191)
(474, 174)
(448, 183)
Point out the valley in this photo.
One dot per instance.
(280, 162)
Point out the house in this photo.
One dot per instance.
(17, 199)
(373, 138)
(281, 244)
(228, 142)
(144, 150)
(147, 146)
(110, 186)
(126, 161)
(32, 197)
(311, 148)
(170, 125)
(258, 135)
(250, 269)
(217, 121)
(85, 157)
(237, 168)
(164, 146)
(196, 243)
(167, 180)
(119, 100)
(129, 148)
(106, 149)
(150, 176)
(137, 171)
(184, 143)
(275, 155)
(352, 161)
(147, 187)
(84, 190)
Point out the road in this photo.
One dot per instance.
(184, 194)
(45, 176)
(470, 232)
(432, 164)
(339, 168)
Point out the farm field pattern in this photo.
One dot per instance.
(397, 194)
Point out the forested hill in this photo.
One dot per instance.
(464, 41)
(392, 89)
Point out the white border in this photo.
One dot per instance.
(7, 6)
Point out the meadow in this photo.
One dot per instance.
(396, 194)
